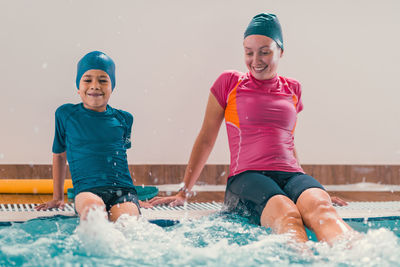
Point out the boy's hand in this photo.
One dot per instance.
(51, 204)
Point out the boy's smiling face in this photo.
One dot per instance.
(95, 90)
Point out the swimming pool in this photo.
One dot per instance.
(214, 240)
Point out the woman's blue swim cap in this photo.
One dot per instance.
(96, 60)
(267, 25)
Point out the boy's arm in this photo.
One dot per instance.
(59, 173)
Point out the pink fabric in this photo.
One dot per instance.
(262, 139)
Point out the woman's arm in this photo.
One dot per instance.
(59, 173)
(201, 150)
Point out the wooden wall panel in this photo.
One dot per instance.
(217, 174)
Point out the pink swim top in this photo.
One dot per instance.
(260, 117)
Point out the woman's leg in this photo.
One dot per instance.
(257, 194)
(85, 201)
(320, 216)
(282, 216)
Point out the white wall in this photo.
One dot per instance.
(168, 53)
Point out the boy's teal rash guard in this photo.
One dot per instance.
(96, 144)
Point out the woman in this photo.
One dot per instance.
(266, 182)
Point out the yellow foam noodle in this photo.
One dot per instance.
(30, 186)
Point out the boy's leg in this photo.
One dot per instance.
(117, 210)
(85, 201)
(125, 202)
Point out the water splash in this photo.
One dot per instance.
(217, 240)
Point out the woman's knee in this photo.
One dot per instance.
(321, 212)
(280, 212)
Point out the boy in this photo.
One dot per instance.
(94, 137)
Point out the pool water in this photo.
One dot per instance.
(216, 240)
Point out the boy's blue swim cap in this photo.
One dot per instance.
(267, 25)
(96, 60)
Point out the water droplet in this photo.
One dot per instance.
(119, 193)
(168, 193)
(149, 173)
(142, 185)
(223, 173)
(155, 180)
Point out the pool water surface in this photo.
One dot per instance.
(215, 240)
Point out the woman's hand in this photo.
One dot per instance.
(55, 203)
(145, 204)
(172, 201)
(338, 201)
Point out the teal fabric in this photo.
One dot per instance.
(96, 144)
(96, 60)
(144, 192)
(267, 25)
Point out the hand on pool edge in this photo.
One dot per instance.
(145, 204)
(337, 201)
(172, 201)
(55, 203)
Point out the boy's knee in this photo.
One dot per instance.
(129, 208)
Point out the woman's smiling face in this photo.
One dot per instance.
(262, 55)
(95, 90)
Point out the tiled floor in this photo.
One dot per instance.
(215, 196)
